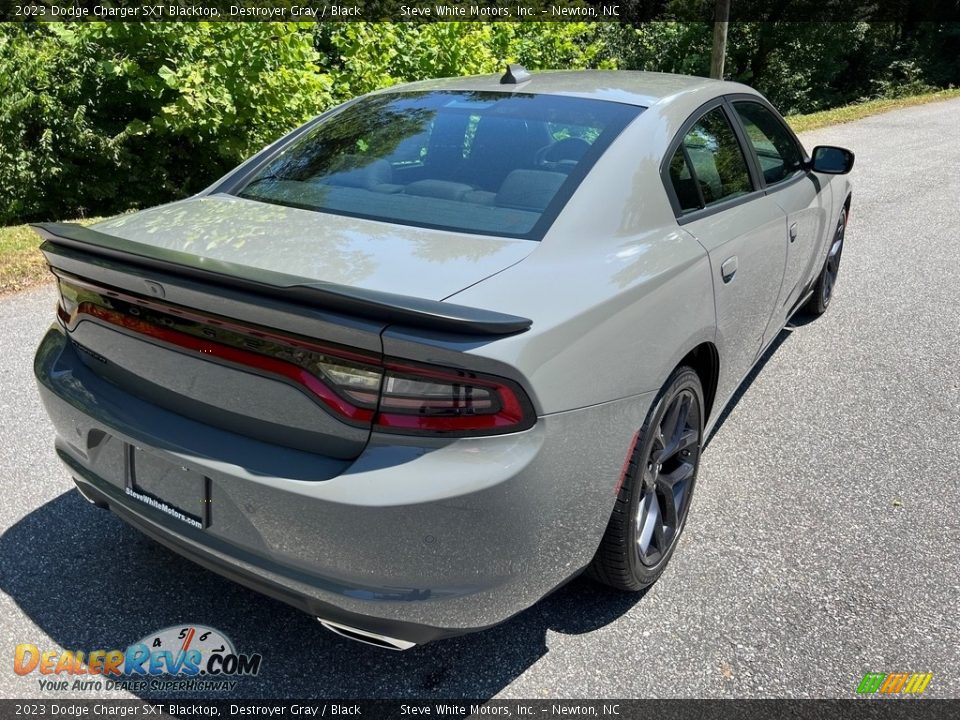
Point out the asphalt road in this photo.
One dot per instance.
(824, 540)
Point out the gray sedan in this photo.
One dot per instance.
(444, 347)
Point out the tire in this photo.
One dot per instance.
(823, 289)
(633, 553)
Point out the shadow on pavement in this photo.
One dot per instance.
(91, 582)
(799, 321)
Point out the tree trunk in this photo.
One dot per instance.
(721, 18)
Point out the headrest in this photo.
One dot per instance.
(359, 172)
(529, 189)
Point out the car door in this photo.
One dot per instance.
(779, 159)
(718, 199)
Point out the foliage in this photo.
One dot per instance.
(101, 117)
(804, 66)
(361, 57)
(97, 117)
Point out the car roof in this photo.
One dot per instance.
(624, 86)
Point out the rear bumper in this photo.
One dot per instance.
(416, 538)
(283, 589)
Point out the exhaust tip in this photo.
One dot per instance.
(85, 494)
(368, 638)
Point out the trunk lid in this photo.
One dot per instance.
(345, 251)
(262, 320)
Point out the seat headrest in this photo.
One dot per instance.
(529, 189)
(358, 172)
(444, 189)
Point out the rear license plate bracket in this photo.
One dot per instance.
(168, 487)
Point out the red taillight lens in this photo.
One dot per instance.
(360, 388)
(430, 400)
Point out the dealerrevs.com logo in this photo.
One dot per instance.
(178, 658)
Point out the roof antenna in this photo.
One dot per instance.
(515, 75)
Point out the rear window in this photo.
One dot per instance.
(479, 162)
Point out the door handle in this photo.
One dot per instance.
(793, 232)
(729, 269)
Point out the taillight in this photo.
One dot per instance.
(393, 396)
(69, 300)
(358, 384)
(425, 399)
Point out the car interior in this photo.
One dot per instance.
(510, 162)
(455, 167)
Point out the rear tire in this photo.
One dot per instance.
(654, 498)
(823, 290)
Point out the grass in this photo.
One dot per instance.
(848, 113)
(21, 266)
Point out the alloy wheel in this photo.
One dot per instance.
(832, 268)
(667, 478)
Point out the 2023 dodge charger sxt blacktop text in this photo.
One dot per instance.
(437, 351)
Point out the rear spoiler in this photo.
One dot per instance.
(372, 304)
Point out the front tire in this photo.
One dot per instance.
(654, 498)
(823, 290)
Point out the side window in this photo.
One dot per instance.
(718, 163)
(683, 183)
(780, 156)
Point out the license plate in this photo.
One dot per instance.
(168, 487)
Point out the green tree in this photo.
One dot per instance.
(361, 57)
(96, 118)
(99, 117)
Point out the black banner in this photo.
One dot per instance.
(853, 709)
(627, 11)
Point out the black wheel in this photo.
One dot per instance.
(654, 499)
(823, 290)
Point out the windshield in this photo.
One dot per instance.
(478, 162)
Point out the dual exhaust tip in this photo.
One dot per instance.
(366, 637)
(88, 496)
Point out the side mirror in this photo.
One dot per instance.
(831, 160)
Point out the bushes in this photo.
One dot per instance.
(804, 66)
(101, 117)
(361, 57)
(45, 128)
(96, 118)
